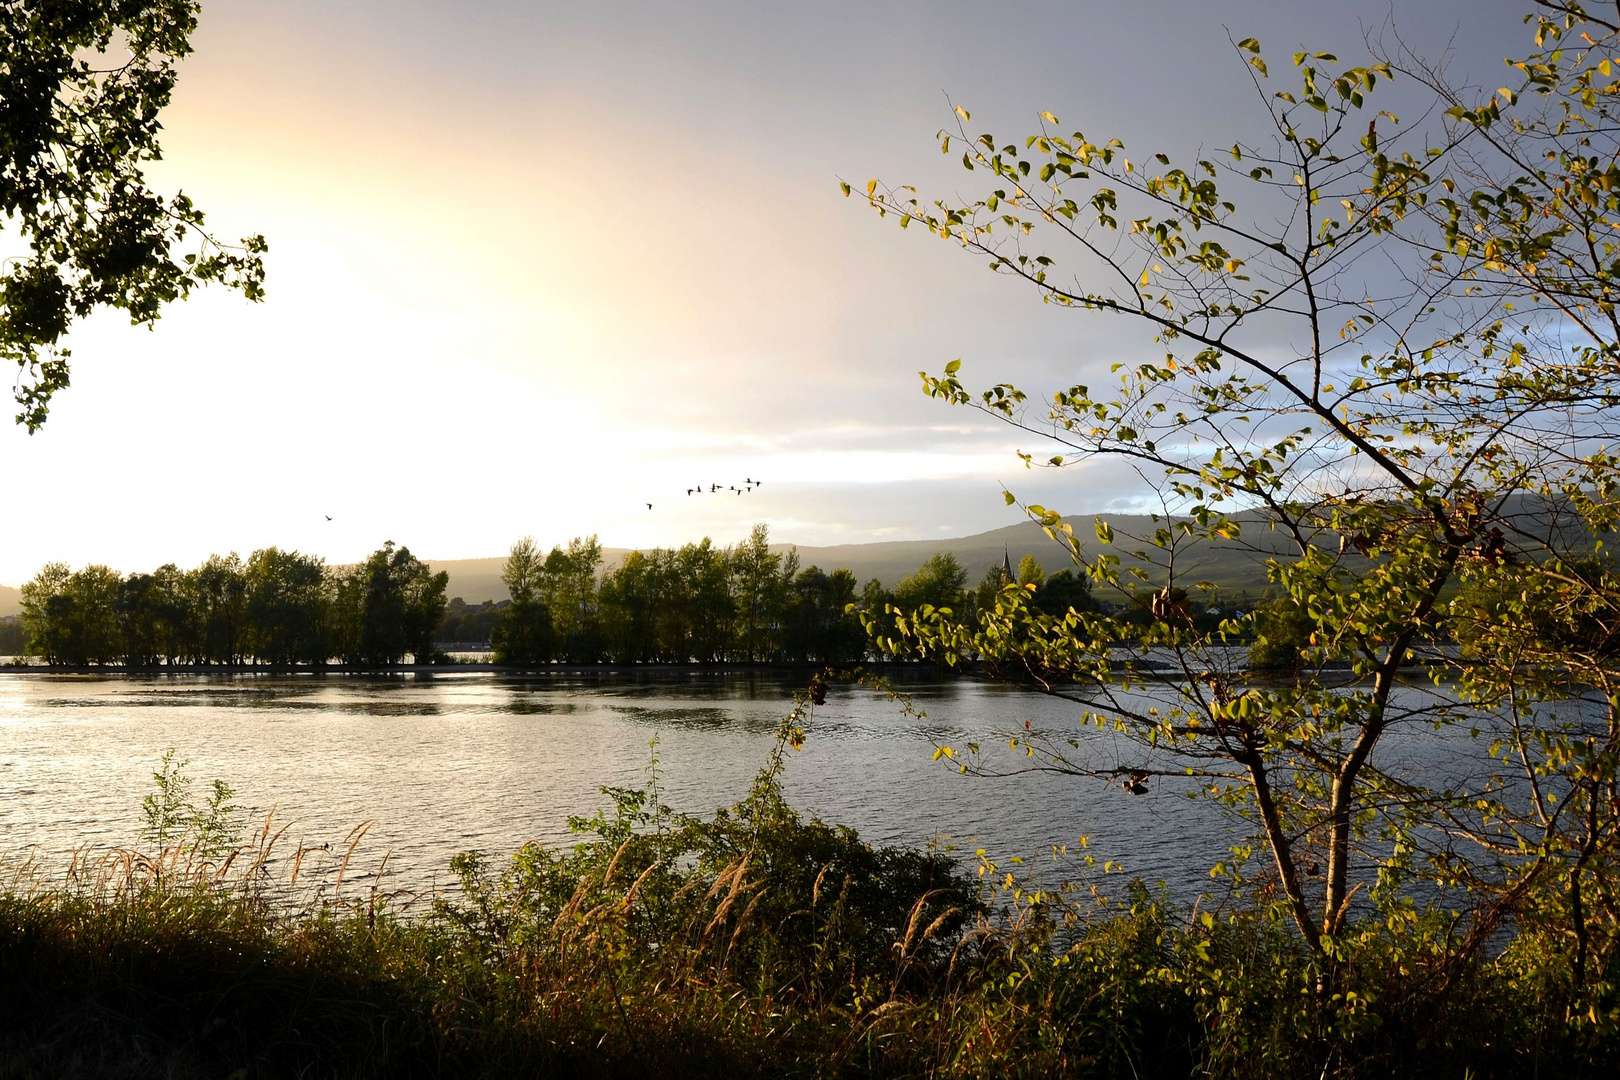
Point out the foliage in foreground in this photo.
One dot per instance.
(84, 84)
(1398, 347)
(755, 941)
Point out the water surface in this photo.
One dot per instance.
(447, 763)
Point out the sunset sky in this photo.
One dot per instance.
(535, 265)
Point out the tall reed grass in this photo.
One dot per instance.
(753, 942)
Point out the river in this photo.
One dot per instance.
(446, 763)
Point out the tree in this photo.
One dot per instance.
(522, 633)
(286, 614)
(935, 590)
(1404, 352)
(46, 635)
(1282, 636)
(13, 637)
(705, 611)
(1030, 572)
(79, 613)
(984, 593)
(425, 602)
(83, 84)
(939, 583)
(568, 589)
(636, 607)
(818, 624)
(1063, 592)
(174, 625)
(760, 579)
(217, 594)
(137, 620)
(388, 606)
(464, 622)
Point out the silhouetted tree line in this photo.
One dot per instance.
(942, 582)
(695, 604)
(469, 624)
(278, 608)
(705, 604)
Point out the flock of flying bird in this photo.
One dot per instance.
(749, 484)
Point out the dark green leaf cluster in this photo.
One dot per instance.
(756, 891)
(695, 604)
(82, 84)
(278, 608)
(1398, 348)
(937, 591)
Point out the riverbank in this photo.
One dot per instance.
(756, 942)
(460, 668)
(845, 673)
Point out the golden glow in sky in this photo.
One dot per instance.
(536, 265)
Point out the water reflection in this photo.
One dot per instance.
(457, 761)
(701, 717)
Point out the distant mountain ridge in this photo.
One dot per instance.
(1234, 567)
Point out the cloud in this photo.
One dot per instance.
(534, 265)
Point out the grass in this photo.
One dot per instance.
(751, 943)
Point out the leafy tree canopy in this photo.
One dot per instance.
(1398, 343)
(82, 84)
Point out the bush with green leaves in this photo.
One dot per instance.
(173, 819)
(1396, 346)
(754, 941)
(756, 891)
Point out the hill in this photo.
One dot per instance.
(1234, 567)
(478, 580)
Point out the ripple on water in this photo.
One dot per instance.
(443, 764)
